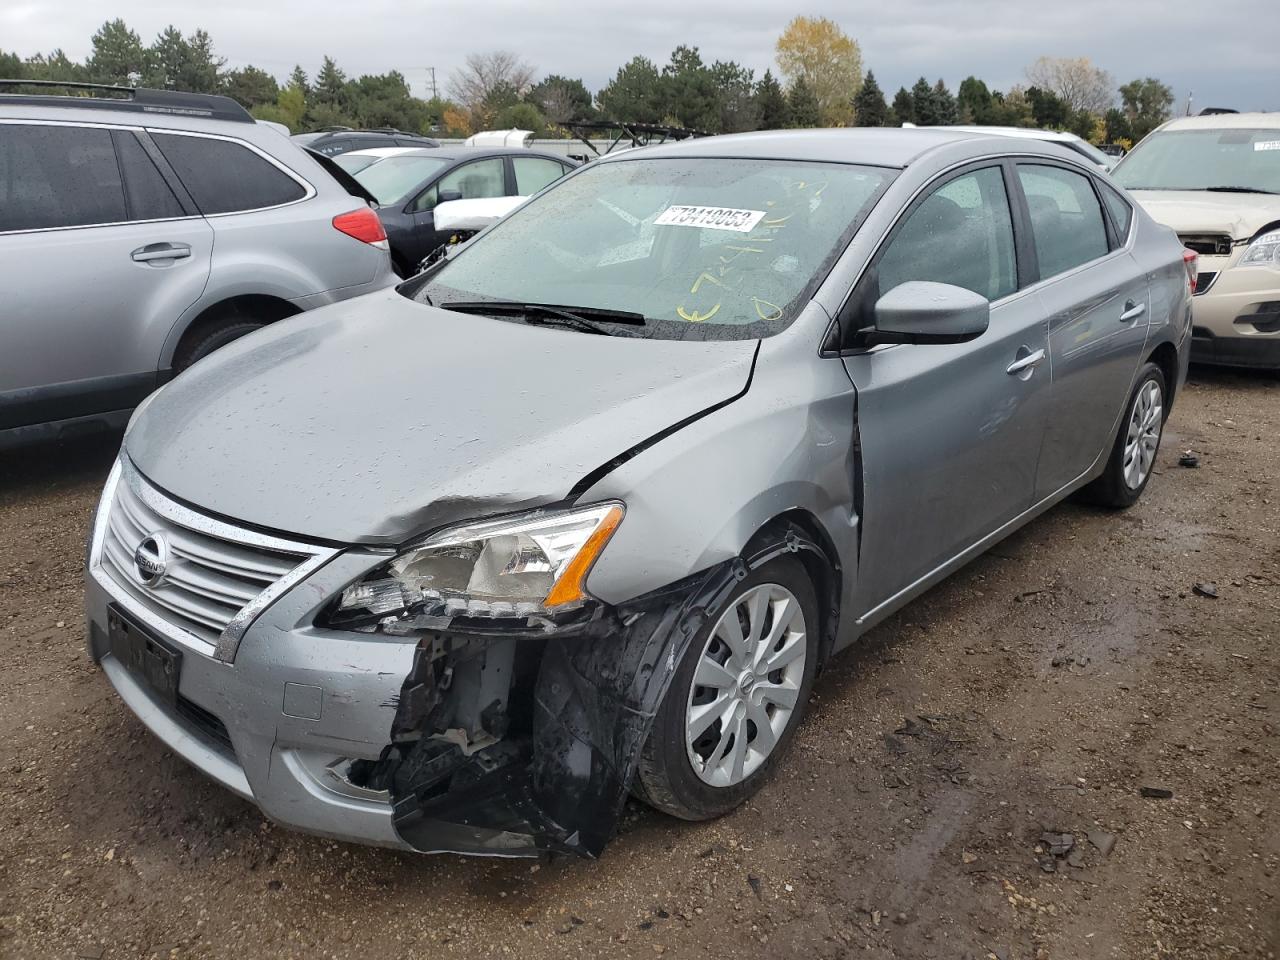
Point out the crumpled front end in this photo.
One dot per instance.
(487, 737)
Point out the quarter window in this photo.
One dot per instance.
(534, 173)
(1121, 212)
(961, 234)
(1065, 218)
(53, 176)
(225, 177)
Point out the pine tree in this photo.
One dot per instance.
(904, 106)
(922, 103)
(803, 105)
(869, 106)
(945, 111)
(771, 103)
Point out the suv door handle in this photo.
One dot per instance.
(161, 251)
(1025, 363)
(1132, 311)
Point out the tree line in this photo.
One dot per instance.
(821, 81)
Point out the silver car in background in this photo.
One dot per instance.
(581, 510)
(140, 230)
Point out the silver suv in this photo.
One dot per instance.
(142, 229)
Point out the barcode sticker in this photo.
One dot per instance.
(710, 218)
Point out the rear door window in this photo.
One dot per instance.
(55, 176)
(534, 173)
(148, 194)
(226, 177)
(1066, 217)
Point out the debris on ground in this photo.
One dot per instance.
(1209, 590)
(1188, 459)
(1103, 841)
(1156, 793)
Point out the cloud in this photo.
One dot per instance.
(1224, 52)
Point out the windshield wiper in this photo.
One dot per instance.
(1239, 190)
(580, 318)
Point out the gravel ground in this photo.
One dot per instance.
(922, 812)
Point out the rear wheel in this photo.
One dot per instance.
(736, 699)
(204, 342)
(1133, 456)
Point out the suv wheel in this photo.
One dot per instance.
(204, 343)
(736, 699)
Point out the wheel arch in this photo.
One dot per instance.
(256, 306)
(800, 532)
(1165, 356)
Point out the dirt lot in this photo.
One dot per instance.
(1034, 693)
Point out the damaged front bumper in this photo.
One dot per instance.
(502, 743)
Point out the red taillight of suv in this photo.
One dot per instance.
(1191, 260)
(364, 225)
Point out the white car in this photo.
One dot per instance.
(353, 161)
(1068, 140)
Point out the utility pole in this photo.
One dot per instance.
(432, 81)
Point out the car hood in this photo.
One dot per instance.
(1241, 215)
(377, 419)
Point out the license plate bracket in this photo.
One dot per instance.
(157, 662)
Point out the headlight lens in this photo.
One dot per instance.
(1264, 251)
(513, 568)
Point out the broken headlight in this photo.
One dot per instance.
(514, 568)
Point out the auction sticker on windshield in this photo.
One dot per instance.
(710, 218)
(1258, 145)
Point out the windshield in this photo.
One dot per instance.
(704, 248)
(1202, 160)
(355, 162)
(393, 179)
(1092, 153)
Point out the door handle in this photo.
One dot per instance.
(161, 251)
(1025, 363)
(1132, 311)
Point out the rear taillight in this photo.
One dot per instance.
(1191, 260)
(364, 225)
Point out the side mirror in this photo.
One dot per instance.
(923, 312)
(444, 196)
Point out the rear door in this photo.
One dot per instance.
(533, 173)
(99, 256)
(1096, 299)
(949, 433)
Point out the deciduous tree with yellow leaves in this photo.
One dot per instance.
(829, 61)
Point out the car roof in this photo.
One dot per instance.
(459, 152)
(388, 151)
(870, 146)
(1225, 121)
(1027, 133)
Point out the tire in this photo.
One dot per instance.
(666, 777)
(1129, 468)
(205, 342)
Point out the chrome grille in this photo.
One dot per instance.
(216, 577)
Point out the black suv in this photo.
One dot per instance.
(334, 142)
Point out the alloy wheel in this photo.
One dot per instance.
(1146, 419)
(746, 685)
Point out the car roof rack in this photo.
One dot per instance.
(101, 96)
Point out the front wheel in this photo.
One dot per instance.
(1133, 457)
(737, 697)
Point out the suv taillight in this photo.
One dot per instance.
(1191, 260)
(364, 225)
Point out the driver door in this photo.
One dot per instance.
(471, 181)
(949, 433)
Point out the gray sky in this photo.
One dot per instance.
(1225, 51)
